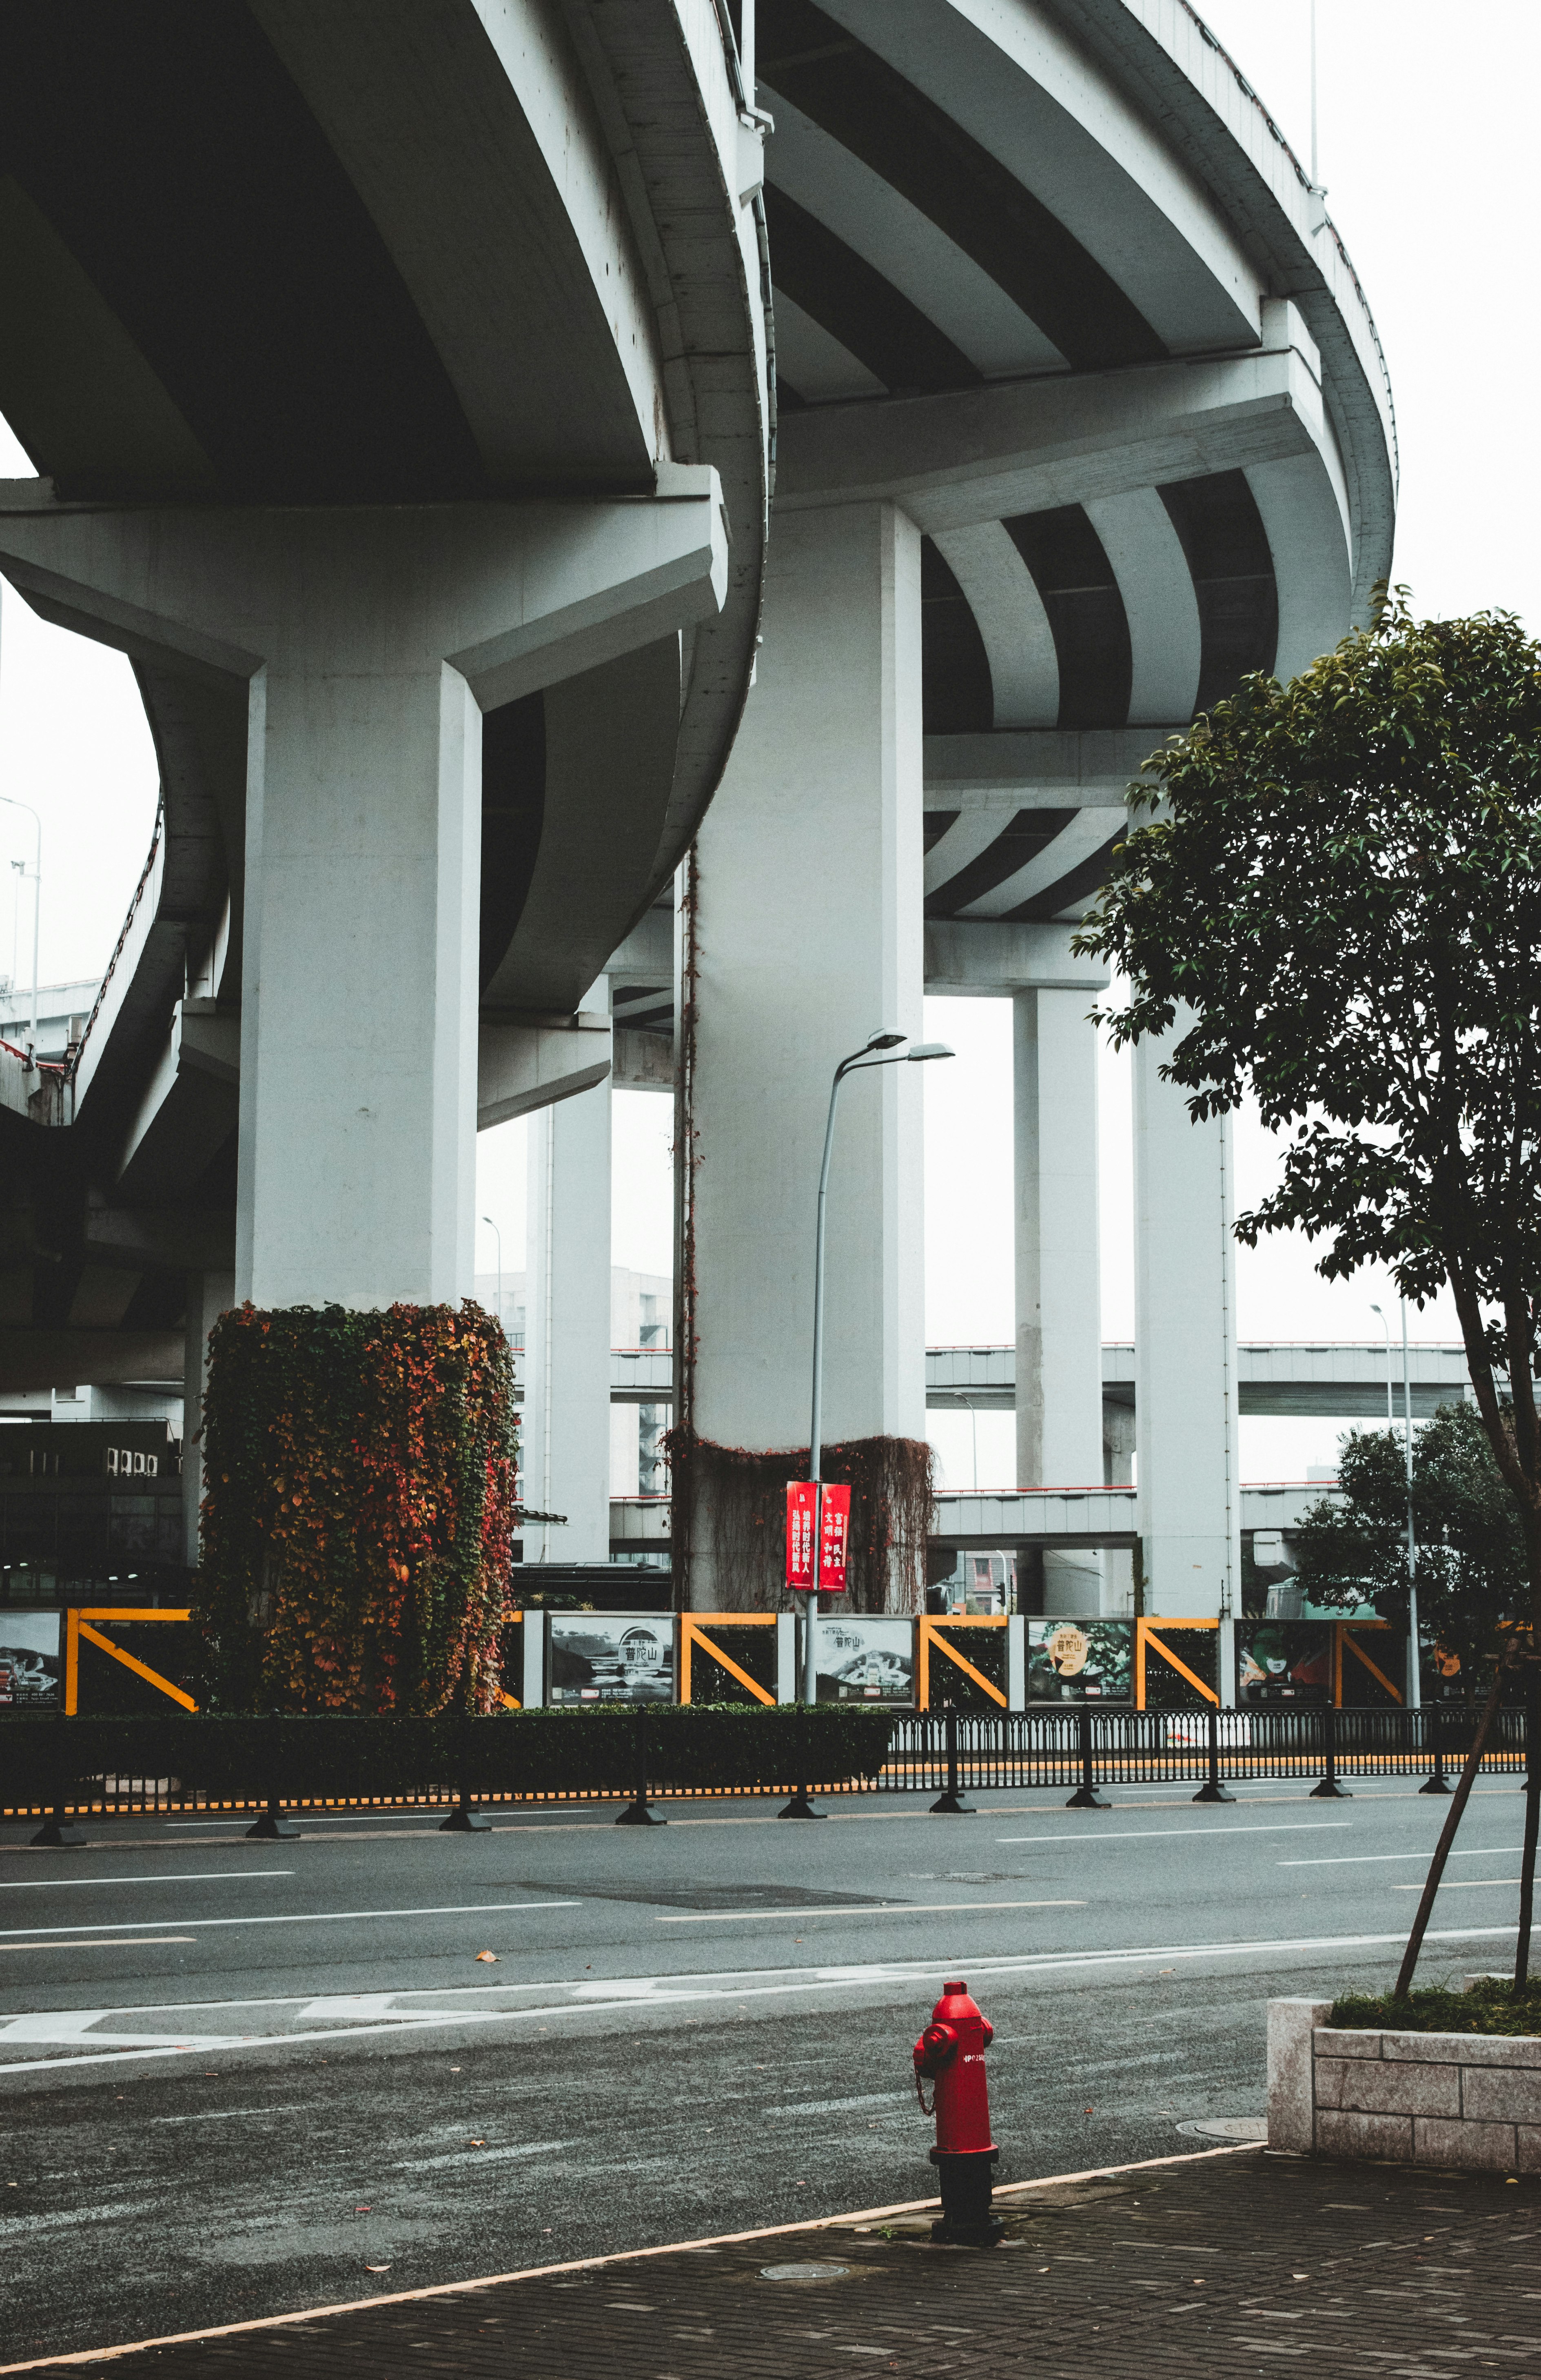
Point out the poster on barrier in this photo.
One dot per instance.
(31, 1668)
(864, 1660)
(1283, 1661)
(1080, 1660)
(611, 1656)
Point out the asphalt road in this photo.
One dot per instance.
(244, 2076)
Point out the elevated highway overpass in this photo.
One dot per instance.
(402, 389)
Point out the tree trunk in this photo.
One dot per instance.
(1459, 1800)
(1532, 1814)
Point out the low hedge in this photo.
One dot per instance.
(709, 1747)
(1489, 2007)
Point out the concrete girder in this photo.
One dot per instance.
(525, 1064)
(1168, 64)
(1015, 78)
(190, 1107)
(470, 133)
(1024, 446)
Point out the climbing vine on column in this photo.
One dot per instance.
(359, 1509)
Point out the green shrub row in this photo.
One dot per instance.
(713, 1747)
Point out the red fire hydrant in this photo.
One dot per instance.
(952, 2051)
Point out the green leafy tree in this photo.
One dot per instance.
(1336, 906)
(1471, 1555)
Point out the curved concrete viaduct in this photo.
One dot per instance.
(397, 381)
(1084, 417)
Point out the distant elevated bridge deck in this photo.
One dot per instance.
(1061, 1518)
(1339, 1380)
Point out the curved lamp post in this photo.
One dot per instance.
(880, 1050)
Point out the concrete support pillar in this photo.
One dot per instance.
(1059, 1326)
(368, 642)
(208, 1294)
(808, 938)
(1185, 1402)
(357, 1174)
(565, 1428)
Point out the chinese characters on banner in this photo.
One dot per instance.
(833, 1529)
(824, 1512)
(802, 1503)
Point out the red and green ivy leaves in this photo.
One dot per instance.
(360, 1510)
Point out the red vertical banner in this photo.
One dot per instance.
(802, 1511)
(834, 1528)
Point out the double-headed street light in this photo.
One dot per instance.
(880, 1050)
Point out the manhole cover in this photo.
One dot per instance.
(1227, 2127)
(805, 2272)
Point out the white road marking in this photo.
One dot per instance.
(856, 1909)
(306, 1917)
(468, 2155)
(1149, 1834)
(1471, 1884)
(204, 1876)
(103, 1942)
(665, 1992)
(1367, 1859)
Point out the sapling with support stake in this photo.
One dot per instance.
(1333, 903)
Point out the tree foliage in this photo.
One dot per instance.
(1337, 905)
(1471, 1555)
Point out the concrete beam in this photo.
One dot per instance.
(987, 959)
(523, 1065)
(59, 1358)
(513, 596)
(189, 1107)
(1024, 446)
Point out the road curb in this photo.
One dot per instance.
(621, 2257)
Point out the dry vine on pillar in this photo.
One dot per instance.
(738, 1500)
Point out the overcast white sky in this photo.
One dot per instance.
(1428, 148)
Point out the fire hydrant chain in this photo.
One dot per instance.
(921, 2095)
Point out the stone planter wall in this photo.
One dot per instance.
(1415, 2099)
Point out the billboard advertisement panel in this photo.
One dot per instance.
(611, 1656)
(31, 1668)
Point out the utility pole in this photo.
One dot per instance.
(1414, 1664)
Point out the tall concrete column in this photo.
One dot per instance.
(1058, 1309)
(808, 938)
(565, 1428)
(369, 640)
(358, 1005)
(208, 1295)
(1187, 1432)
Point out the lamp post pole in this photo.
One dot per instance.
(498, 1236)
(37, 897)
(1387, 1329)
(1414, 1664)
(882, 1050)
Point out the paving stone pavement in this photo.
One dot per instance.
(1223, 2264)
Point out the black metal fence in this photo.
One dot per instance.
(947, 1755)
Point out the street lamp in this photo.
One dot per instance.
(498, 1236)
(37, 897)
(880, 1049)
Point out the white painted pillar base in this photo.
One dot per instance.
(809, 938)
(209, 1295)
(1059, 1329)
(565, 1425)
(1185, 1401)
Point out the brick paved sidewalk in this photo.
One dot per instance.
(1220, 2265)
